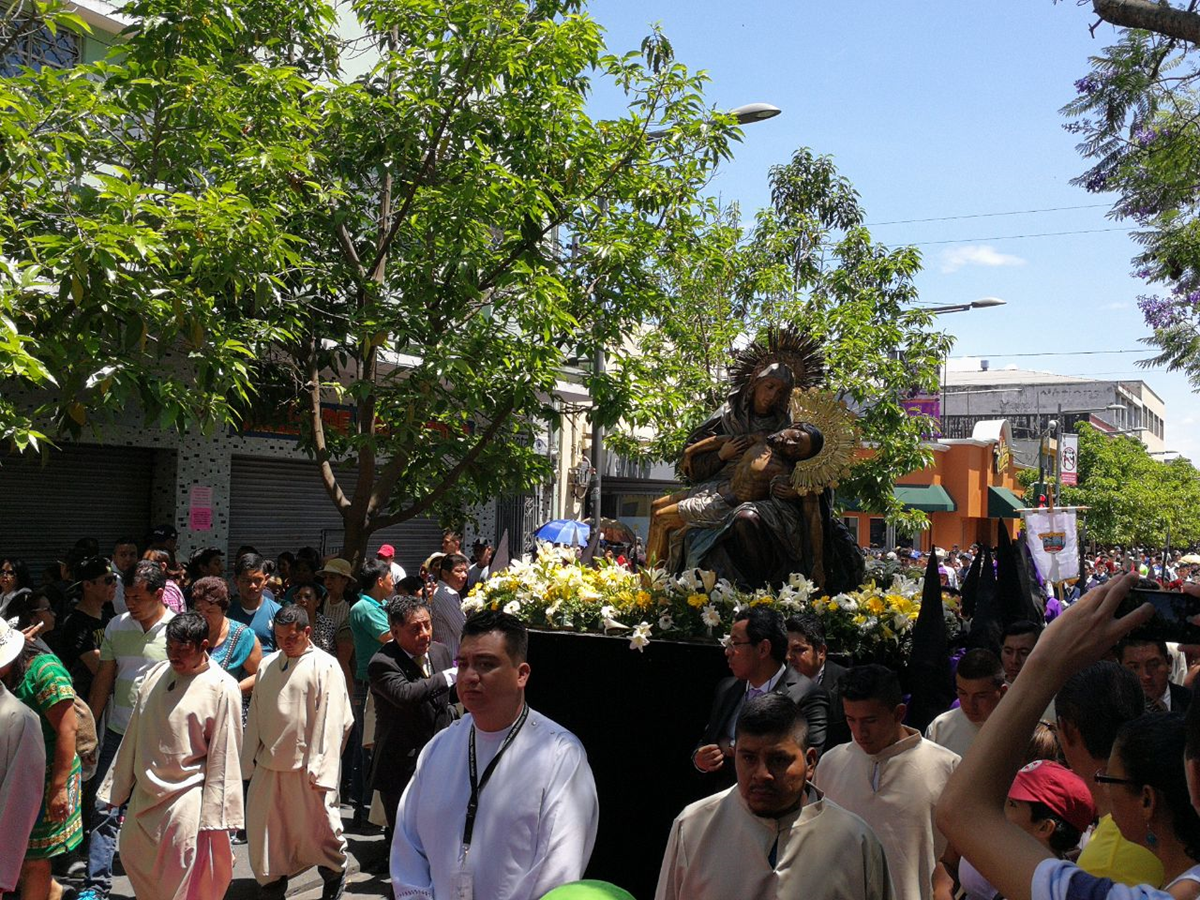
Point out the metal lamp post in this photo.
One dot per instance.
(981, 303)
(745, 115)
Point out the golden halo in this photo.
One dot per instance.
(838, 425)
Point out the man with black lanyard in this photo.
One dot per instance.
(502, 805)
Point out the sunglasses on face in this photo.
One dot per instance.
(107, 579)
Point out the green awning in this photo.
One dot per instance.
(925, 497)
(1004, 504)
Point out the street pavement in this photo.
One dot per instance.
(366, 867)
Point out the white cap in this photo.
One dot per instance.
(12, 642)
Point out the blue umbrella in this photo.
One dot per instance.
(564, 531)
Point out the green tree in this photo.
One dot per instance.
(809, 262)
(1131, 497)
(231, 227)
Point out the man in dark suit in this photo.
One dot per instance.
(1151, 663)
(756, 654)
(412, 679)
(807, 655)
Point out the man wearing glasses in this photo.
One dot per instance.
(756, 652)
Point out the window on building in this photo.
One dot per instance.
(36, 47)
(878, 532)
(851, 523)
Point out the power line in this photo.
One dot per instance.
(1018, 212)
(1014, 237)
(1052, 353)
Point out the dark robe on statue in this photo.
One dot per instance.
(762, 542)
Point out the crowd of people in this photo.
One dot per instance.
(174, 711)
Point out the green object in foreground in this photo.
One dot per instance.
(589, 890)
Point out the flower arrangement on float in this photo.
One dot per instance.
(554, 591)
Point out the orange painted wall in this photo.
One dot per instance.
(966, 471)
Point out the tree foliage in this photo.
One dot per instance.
(1131, 497)
(218, 225)
(807, 261)
(1137, 114)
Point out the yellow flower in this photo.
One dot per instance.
(874, 606)
(762, 601)
(697, 600)
(643, 599)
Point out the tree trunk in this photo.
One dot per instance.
(354, 544)
(1150, 16)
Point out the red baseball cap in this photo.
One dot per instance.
(387, 551)
(1067, 795)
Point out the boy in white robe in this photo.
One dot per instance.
(979, 684)
(22, 754)
(773, 834)
(300, 719)
(891, 777)
(177, 768)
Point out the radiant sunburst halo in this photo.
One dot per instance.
(838, 425)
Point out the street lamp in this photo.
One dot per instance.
(754, 112)
(745, 115)
(981, 303)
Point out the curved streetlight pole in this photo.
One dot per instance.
(981, 303)
(745, 115)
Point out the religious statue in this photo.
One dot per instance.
(760, 472)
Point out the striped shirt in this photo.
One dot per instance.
(135, 652)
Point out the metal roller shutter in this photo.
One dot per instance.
(278, 504)
(81, 491)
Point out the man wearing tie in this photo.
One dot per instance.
(756, 653)
(412, 679)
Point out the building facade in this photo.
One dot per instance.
(1030, 401)
(969, 492)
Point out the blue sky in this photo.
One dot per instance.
(933, 110)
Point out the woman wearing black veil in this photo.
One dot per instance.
(762, 542)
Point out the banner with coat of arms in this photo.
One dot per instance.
(1053, 538)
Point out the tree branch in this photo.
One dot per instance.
(347, 244)
(1150, 16)
(386, 483)
(452, 476)
(385, 243)
(328, 476)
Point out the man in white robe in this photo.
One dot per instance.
(891, 777)
(979, 684)
(177, 767)
(773, 834)
(536, 812)
(300, 719)
(22, 757)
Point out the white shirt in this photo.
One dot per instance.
(953, 730)
(536, 823)
(448, 617)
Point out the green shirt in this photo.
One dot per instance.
(368, 620)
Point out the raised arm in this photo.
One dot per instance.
(971, 810)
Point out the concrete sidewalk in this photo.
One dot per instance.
(366, 870)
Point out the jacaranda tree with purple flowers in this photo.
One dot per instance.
(1137, 114)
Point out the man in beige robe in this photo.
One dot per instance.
(773, 834)
(177, 767)
(891, 777)
(22, 756)
(979, 685)
(300, 719)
